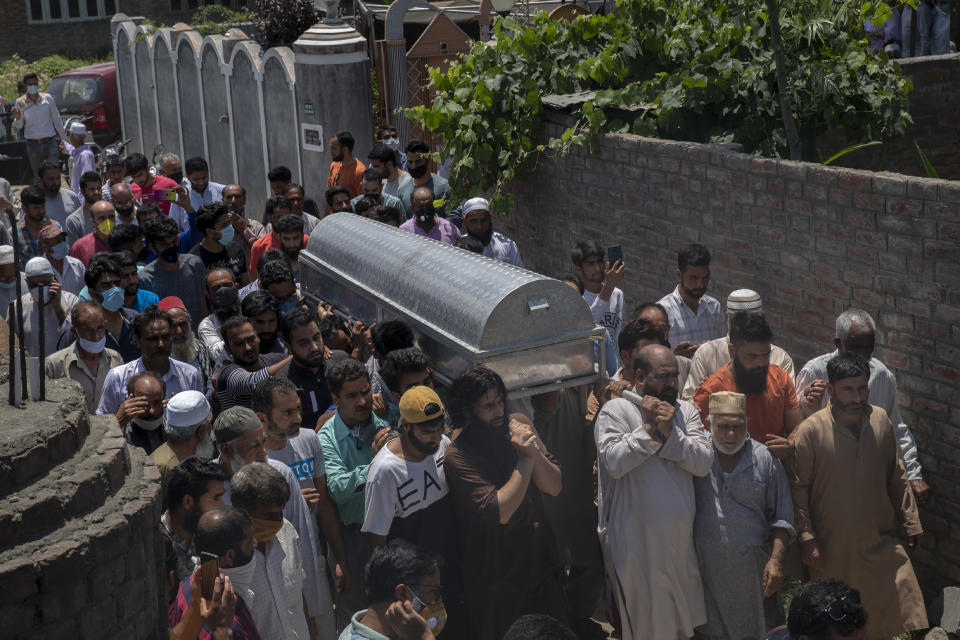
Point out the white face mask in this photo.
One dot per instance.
(728, 449)
(148, 425)
(92, 347)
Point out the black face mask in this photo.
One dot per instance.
(486, 237)
(124, 213)
(170, 254)
(143, 255)
(751, 381)
(424, 215)
(177, 177)
(418, 172)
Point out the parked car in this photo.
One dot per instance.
(90, 92)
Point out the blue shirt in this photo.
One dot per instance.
(180, 377)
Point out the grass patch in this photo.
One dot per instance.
(13, 69)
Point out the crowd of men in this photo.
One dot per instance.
(340, 490)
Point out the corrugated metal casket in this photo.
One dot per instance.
(536, 332)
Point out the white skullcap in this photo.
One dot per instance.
(6, 254)
(744, 300)
(475, 204)
(38, 266)
(78, 128)
(187, 409)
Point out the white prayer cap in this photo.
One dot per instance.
(744, 300)
(187, 409)
(78, 129)
(38, 266)
(475, 204)
(6, 254)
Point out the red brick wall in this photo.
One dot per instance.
(812, 240)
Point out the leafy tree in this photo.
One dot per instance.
(698, 70)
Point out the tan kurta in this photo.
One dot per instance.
(852, 496)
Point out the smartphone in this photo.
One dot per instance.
(614, 254)
(165, 195)
(209, 570)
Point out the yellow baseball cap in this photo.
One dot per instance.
(420, 404)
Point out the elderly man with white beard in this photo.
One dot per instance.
(743, 525)
(240, 438)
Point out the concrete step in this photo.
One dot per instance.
(77, 486)
(41, 435)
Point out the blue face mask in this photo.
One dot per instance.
(59, 252)
(289, 305)
(112, 299)
(8, 285)
(226, 235)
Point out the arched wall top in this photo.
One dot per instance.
(128, 30)
(163, 35)
(396, 13)
(249, 50)
(214, 43)
(190, 39)
(286, 58)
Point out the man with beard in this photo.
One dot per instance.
(219, 247)
(223, 300)
(173, 273)
(200, 191)
(33, 220)
(290, 241)
(78, 223)
(371, 186)
(349, 440)
(60, 201)
(245, 367)
(407, 495)
(496, 470)
(772, 408)
(262, 310)
(308, 369)
(384, 159)
(743, 526)
(338, 199)
(425, 221)
(649, 450)
(104, 220)
(247, 230)
(694, 316)
(478, 224)
(187, 427)
(655, 317)
(240, 439)
(152, 330)
(134, 297)
(418, 165)
(345, 170)
(297, 196)
(122, 198)
(141, 414)
(600, 282)
(186, 347)
(852, 497)
(194, 487)
(856, 333)
(277, 405)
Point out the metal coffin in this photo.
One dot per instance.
(536, 332)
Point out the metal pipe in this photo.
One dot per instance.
(12, 395)
(42, 341)
(14, 232)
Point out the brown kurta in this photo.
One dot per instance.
(508, 570)
(852, 496)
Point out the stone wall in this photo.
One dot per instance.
(812, 240)
(81, 556)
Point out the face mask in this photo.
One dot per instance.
(392, 143)
(8, 285)
(242, 572)
(289, 305)
(177, 177)
(170, 254)
(124, 213)
(434, 614)
(265, 530)
(106, 226)
(112, 299)
(425, 215)
(418, 172)
(725, 448)
(46, 294)
(226, 235)
(33, 89)
(149, 425)
(59, 251)
(92, 347)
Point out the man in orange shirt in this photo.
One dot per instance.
(773, 411)
(345, 170)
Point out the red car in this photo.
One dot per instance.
(92, 92)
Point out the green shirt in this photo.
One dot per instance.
(346, 459)
(386, 200)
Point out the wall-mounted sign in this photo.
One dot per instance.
(308, 109)
(312, 137)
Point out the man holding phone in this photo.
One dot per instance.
(601, 272)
